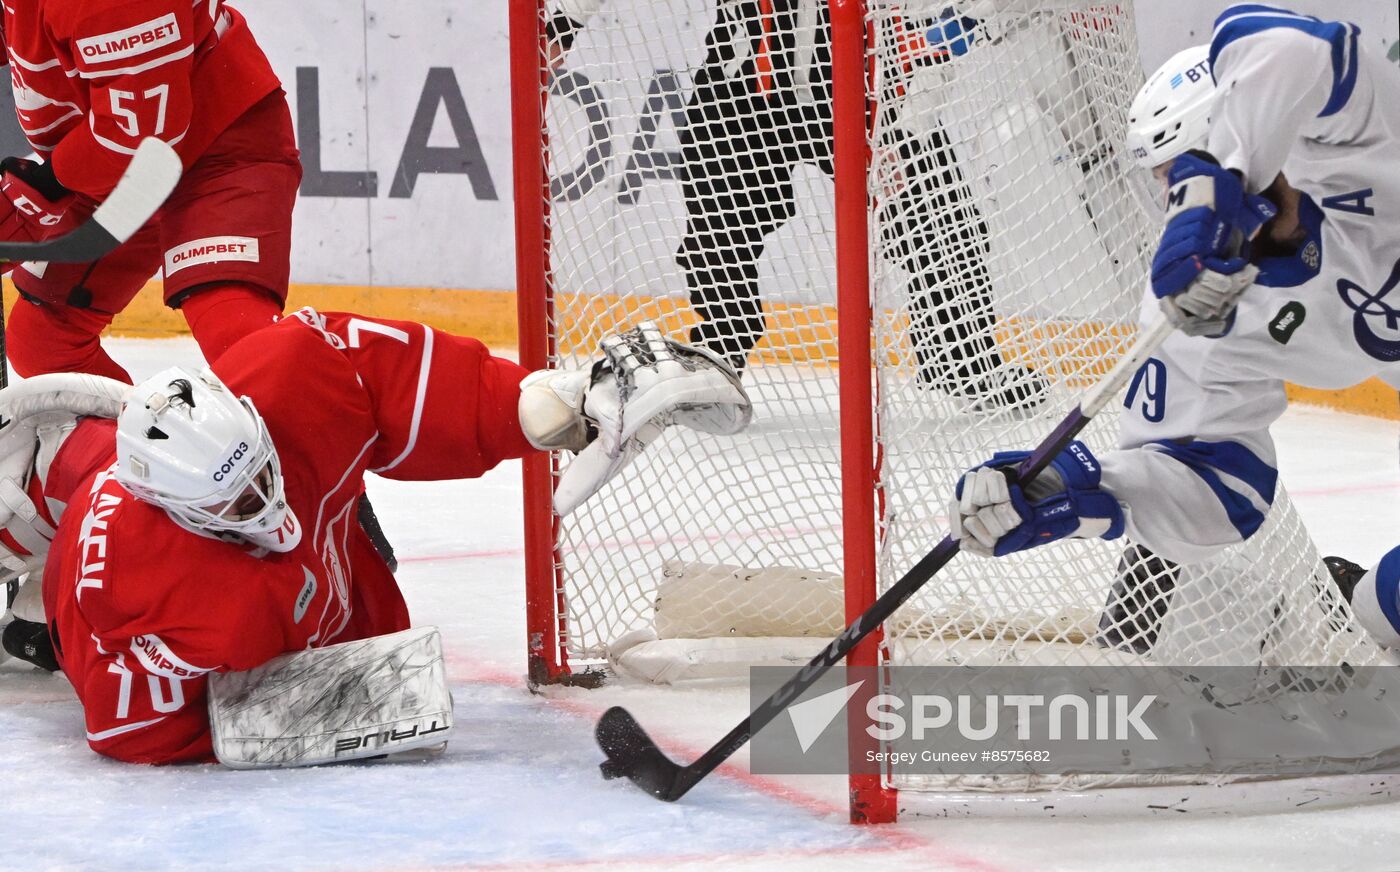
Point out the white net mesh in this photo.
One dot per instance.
(689, 198)
(690, 147)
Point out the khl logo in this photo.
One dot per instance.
(1373, 311)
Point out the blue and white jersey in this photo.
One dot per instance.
(1196, 467)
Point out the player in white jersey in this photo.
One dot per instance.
(1281, 113)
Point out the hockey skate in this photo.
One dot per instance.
(1345, 575)
(24, 640)
(1010, 387)
(29, 641)
(1138, 602)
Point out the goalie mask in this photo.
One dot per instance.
(188, 445)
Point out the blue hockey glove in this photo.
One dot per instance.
(954, 34)
(993, 517)
(1202, 263)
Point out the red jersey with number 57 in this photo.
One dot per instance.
(91, 79)
(143, 609)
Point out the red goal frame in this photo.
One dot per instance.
(546, 626)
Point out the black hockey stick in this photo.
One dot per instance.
(632, 754)
(151, 175)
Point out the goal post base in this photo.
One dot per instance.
(1264, 796)
(871, 802)
(539, 675)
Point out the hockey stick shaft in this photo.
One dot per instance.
(151, 175)
(684, 778)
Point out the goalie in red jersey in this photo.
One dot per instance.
(90, 81)
(211, 526)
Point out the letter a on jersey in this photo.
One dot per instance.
(1356, 202)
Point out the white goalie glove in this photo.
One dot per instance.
(610, 412)
(35, 417)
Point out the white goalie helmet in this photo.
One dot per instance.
(1171, 113)
(188, 445)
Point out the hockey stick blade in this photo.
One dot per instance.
(151, 175)
(633, 755)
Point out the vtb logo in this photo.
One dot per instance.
(1372, 311)
(1192, 74)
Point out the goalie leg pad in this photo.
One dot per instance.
(376, 696)
(29, 600)
(72, 393)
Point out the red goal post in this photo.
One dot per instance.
(546, 610)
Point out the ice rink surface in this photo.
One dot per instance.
(519, 788)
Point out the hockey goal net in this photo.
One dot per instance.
(974, 248)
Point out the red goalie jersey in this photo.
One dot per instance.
(142, 609)
(92, 79)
